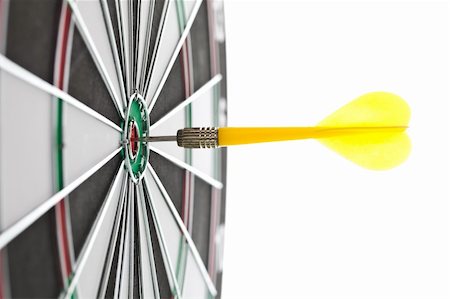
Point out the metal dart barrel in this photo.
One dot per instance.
(198, 137)
(190, 138)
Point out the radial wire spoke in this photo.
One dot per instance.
(124, 277)
(161, 204)
(11, 232)
(122, 46)
(104, 70)
(30, 78)
(154, 53)
(125, 216)
(123, 16)
(148, 267)
(138, 285)
(131, 19)
(168, 263)
(210, 180)
(137, 7)
(145, 29)
(112, 40)
(113, 241)
(132, 243)
(100, 226)
(157, 80)
(207, 86)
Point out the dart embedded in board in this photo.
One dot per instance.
(370, 131)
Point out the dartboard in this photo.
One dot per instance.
(87, 209)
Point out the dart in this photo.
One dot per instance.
(370, 131)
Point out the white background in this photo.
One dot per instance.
(302, 221)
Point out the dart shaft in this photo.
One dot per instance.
(236, 136)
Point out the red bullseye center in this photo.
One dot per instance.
(134, 142)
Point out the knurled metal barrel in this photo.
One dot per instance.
(198, 137)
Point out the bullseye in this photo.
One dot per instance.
(134, 144)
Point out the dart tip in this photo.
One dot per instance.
(153, 139)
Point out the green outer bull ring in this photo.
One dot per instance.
(138, 116)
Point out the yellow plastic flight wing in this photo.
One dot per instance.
(384, 146)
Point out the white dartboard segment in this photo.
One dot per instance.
(86, 141)
(26, 148)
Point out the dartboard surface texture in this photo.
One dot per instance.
(87, 210)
